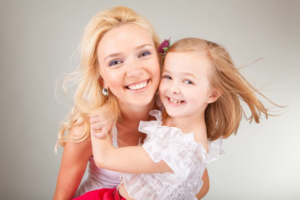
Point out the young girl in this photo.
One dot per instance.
(200, 89)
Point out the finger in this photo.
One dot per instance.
(98, 125)
(97, 119)
(104, 130)
(99, 135)
(94, 114)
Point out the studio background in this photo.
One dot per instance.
(38, 47)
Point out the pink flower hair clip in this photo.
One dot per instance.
(164, 46)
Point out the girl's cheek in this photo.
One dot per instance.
(162, 87)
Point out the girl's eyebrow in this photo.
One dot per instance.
(117, 54)
(189, 74)
(164, 70)
(184, 73)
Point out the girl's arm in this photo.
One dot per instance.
(205, 187)
(73, 164)
(133, 159)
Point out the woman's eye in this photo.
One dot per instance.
(115, 62)
(188, 82)
(145, 53)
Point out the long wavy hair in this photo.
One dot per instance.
(223, 116)
(88, 96)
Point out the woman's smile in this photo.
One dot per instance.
(130, 71)
(138, 86)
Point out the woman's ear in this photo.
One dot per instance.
(102, 82)
(214, 96)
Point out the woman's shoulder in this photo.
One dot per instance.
(81, 142)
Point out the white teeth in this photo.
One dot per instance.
(175, 101)
(138, 86)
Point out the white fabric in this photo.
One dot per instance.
(185, 157)
(100, 178)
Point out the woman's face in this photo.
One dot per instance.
(129, 64)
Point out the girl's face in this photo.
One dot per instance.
(185, 89)
(129, 64)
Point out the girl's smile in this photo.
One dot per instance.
(175, 102)
(185, 88)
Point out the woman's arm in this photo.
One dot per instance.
(73, 164)
(133, 159)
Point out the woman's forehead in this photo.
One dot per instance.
(123, 38)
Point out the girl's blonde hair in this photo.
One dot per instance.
(88, 95)
(223, 116)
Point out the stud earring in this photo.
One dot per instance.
(105, 92)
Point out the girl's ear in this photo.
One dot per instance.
(215, 94)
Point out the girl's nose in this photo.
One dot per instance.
(174, 89)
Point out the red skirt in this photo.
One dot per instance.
(101, 194)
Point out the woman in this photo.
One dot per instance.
(118, 56)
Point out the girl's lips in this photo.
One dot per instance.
(174, 102)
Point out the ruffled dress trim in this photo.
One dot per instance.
(185, 157)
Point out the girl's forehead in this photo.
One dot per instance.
(189, 62)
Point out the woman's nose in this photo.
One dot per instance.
(134, 70)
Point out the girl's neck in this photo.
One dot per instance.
(188, 124)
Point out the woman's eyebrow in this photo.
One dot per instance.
(117, 54)
(142, 46)
(112, 55)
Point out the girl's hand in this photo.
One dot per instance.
(100, 124)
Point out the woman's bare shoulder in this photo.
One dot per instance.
(83, 144)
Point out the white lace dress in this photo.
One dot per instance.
(184, 156)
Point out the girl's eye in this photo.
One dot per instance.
(188, 82)
(115, 62)
(167, 77)
(145, 53)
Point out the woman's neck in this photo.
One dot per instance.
(127, 125)
(132, 114)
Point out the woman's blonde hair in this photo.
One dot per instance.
(88, 95)
(223, 116)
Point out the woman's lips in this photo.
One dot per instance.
(138, 86)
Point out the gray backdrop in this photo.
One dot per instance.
(38, 41)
